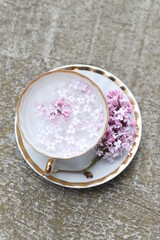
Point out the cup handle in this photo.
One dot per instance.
(49, 167)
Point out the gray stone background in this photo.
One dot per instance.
(121, 36)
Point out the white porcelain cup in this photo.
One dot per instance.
(62, 114)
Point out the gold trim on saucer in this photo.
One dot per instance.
(124, 163)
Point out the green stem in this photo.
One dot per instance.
(78, 171)
(91, 164)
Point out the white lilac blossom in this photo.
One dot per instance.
(71, 130)
(76, 84)
(71, 98)
(70, 140)
(93, 132)
(80, 100)
(76, 121)
(77, 109)
(82, 143)
(50, 145)
(90, 98)
(87, 109)
(63, 93)
(58, 138)
(121, 129)
(41, 138)
(71, 122)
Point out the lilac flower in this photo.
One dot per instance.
(68, 151)
(41, 139)
(58, 138)
(56, 108)
(70, 140)
(56, 128)
(75, 121)
(62, 93)
(97, 113)
(71, 130)
(46, 131)
(87, 109)
(93, 132)
(76, 109)
(75, 84)
(80, 100)
(50, 146)
(84, 88)
(42, 110)
(99, 152)
(71, 98)
(82, 144)
(90, 98)
(121, 129)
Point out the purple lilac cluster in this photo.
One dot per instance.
(121, 129)
(57, 108)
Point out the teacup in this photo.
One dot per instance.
(62, 114)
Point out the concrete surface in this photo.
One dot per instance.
(121, 36)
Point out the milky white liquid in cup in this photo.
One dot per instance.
(66, 116)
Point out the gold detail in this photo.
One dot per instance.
(49, 167)
(132, 102)
(123, 89)
(112, 78)
(136, 115)
(75, 69)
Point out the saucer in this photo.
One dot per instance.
(102, 171)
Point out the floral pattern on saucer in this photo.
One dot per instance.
(71, 121)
